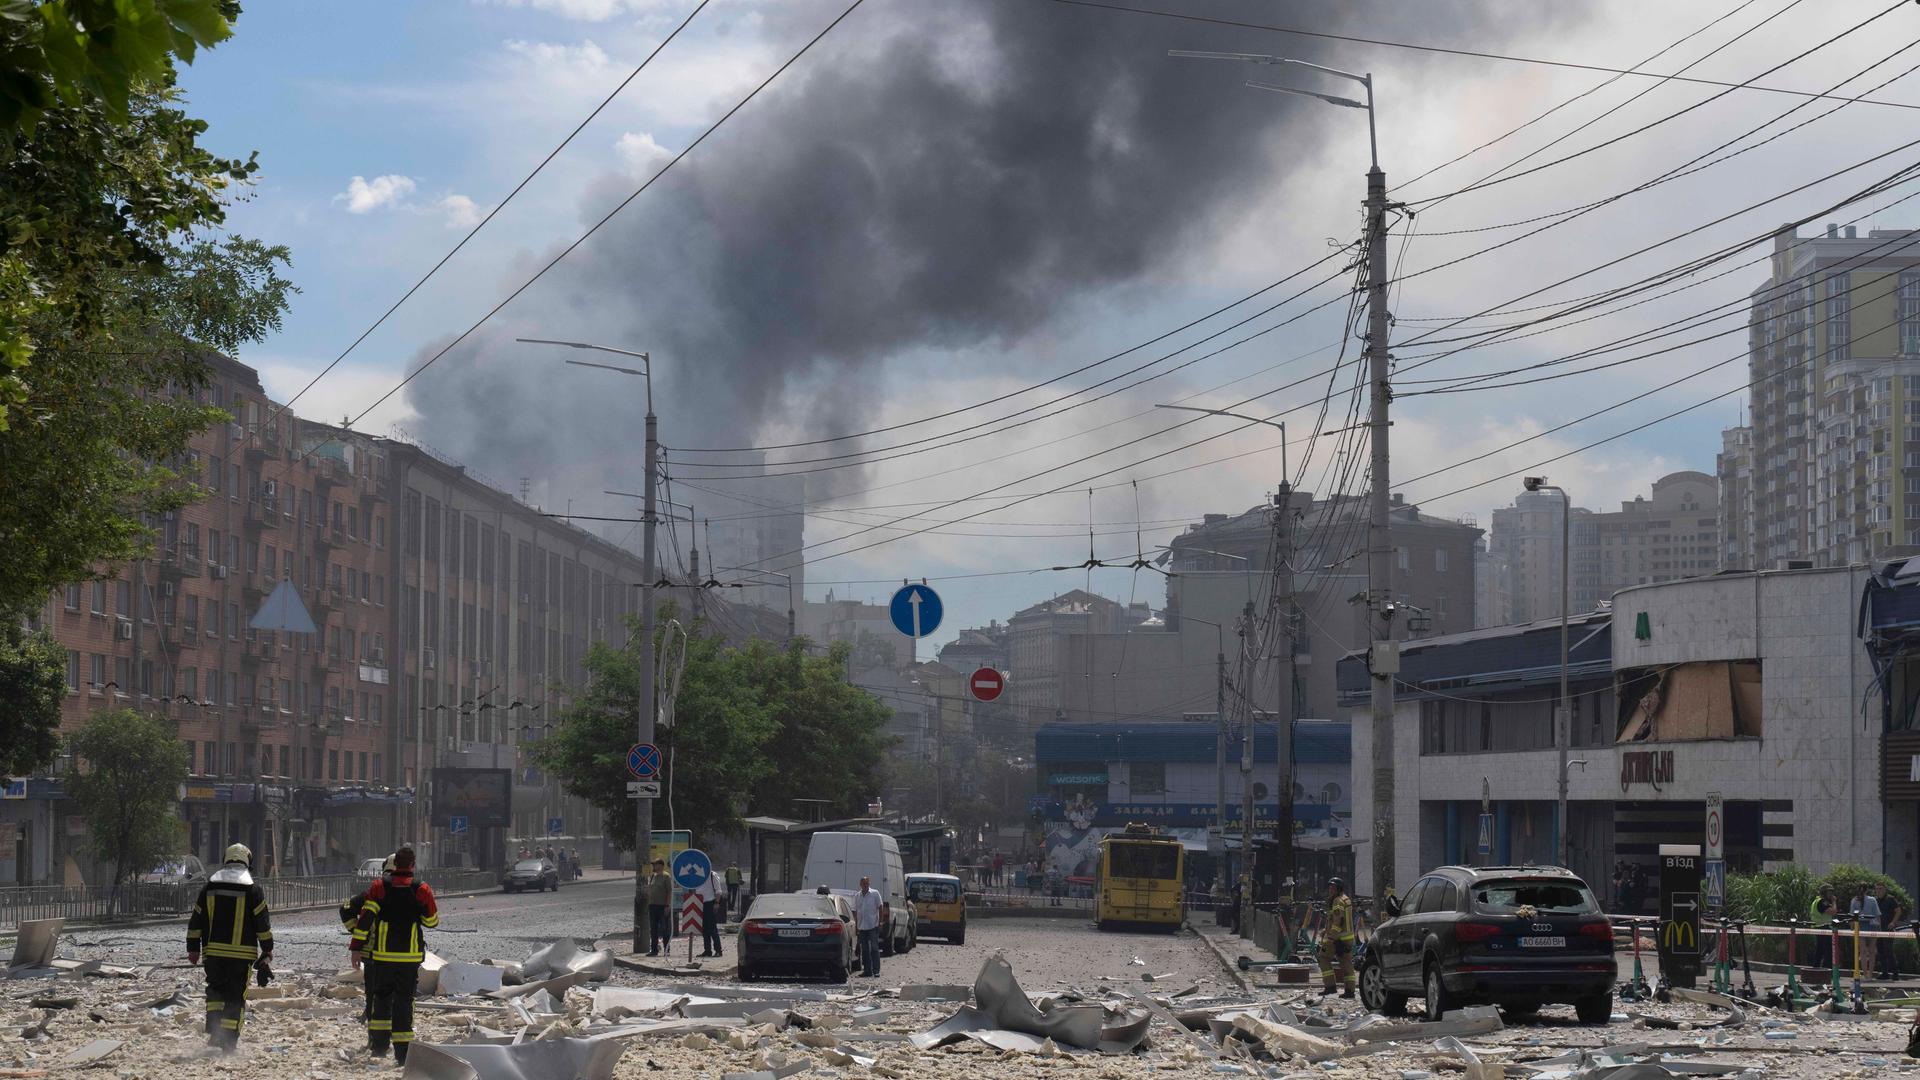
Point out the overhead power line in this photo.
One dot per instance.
(602, 222)
(1474, 53)
(491, 214)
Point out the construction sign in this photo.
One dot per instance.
(1679, 934)
(690, 915)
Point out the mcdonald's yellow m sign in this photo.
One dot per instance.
(1678, 934)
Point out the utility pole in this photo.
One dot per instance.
(1283, 671)
(643, 808)
(1384, 657)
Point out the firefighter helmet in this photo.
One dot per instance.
(239, 853)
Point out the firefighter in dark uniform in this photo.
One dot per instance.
(350, 918)
(390, 939)
(231, 925)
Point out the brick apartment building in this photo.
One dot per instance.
(446, 610)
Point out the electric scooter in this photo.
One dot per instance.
(1635, 989)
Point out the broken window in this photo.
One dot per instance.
(1710, 699)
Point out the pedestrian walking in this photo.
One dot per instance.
(1891, 915)
(389, 945)
(231, 925)
(999, 870)
(733, 886)
(1056, 886)
(866, 922)
(578, 871)
(711, 915)
(350, 918)
(659, 900)
(1336, 941)
(1821, 913)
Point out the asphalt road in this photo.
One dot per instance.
(491, 925)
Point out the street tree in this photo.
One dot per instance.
(754, 727)
(831, 737)
(125, 782)
(32, 684)
(721, 723)
(113, 286)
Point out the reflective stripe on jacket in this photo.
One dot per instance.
(230, 921)
(392, 920)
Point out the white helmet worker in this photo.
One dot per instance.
(239, 853)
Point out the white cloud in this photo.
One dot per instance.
(585, 58)
(342, 393)
(364, 196)
(461, 211)
(640, 154)
(584, 10)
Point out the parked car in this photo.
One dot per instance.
(939, 908)
(370, 869)
(1514, 936)
(173, 885)
(797, 931)
(839, 860)
(535, 874)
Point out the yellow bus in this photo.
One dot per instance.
(1138, 884)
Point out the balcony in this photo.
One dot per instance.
(263, 513)
(180, 559)
(262, 442)
(330, 474)
(255, 588)
(326, 539)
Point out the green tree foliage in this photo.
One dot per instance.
(76, 51)
(32, 682)
(127, 773)
(111, 298)
(754, 727)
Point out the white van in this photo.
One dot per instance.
(838, 860)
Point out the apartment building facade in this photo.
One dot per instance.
(1834, 359)
(446, 613)
(1670, 534)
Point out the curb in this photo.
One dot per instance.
(1232, 970)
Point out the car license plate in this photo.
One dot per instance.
(1543, 943)
(795, 933)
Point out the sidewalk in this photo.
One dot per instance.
(1229, 947)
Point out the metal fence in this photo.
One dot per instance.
(101, 904)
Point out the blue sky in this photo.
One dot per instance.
(439, 108)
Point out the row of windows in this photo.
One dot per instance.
(168, 683)
(293, 762)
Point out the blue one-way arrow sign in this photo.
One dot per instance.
(916, 611)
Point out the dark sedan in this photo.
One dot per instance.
(807, 932)
(1514, 936)
(535, 874)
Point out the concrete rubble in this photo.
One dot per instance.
(563, 1012)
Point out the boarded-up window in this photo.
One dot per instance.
(1714, 699)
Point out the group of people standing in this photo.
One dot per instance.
(719, 895)
(1876, 908)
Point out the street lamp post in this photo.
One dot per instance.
(1564, 712)
(1283, 651)
(643, 808)
(1383, 656)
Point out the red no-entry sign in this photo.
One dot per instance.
(986, 684)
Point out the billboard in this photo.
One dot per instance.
(482, 796)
